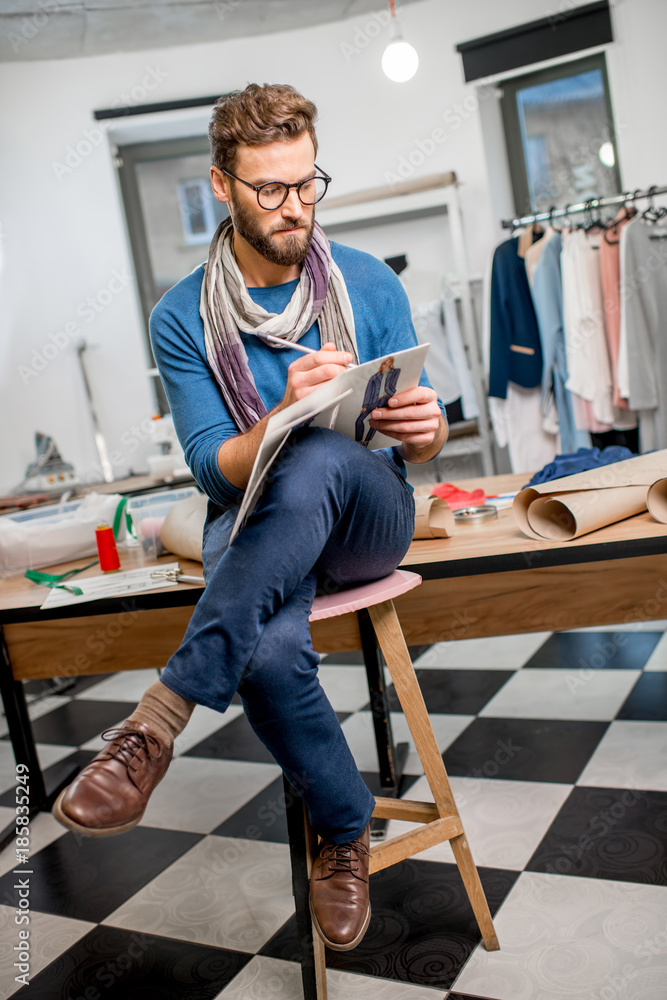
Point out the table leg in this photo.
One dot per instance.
(313, 972)
(391, 757)
(23, 742)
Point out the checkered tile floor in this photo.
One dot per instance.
(557, 750)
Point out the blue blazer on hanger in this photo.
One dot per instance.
(515, 353)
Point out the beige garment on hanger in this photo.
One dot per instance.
(534, 252)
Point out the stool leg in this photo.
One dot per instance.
(473, 887)
(391, 756)
(302, 843)
(392, 643)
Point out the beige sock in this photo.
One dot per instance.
(166, 712)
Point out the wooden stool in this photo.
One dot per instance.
(440, 819)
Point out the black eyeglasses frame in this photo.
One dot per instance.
(257, 188)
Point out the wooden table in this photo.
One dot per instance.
(485, 581)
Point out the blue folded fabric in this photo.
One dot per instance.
(580, 461)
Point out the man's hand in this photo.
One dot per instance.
(310, 371)
(413, 417)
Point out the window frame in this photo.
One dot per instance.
(128, 158)
(512, 125)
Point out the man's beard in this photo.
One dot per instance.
(284, 250)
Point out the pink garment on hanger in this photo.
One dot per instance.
(611, 284)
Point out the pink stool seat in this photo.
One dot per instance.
(356, 598)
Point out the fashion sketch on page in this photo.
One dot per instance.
(379, 390)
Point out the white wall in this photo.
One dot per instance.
(63, 237)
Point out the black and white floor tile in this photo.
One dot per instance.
(556, 746)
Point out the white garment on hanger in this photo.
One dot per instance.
(469, 401)
(529, 445)
(439, 365)
(586, 344)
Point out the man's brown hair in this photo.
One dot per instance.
(257, 116)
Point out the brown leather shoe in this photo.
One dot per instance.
(339, 902)
(111, 793)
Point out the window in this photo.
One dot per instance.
(171, 215)
(560, 136)
(199, 213)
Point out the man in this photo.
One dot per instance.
(379, 390)
(333, 512)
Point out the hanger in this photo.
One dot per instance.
(590, 222)
(653, 213)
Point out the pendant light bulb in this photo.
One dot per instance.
(400, 61)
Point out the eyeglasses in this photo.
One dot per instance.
(273, 194)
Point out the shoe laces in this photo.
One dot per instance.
(129, 743)
(341, 857)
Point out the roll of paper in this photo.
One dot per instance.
(183, 528)
(433, 518)
(572, 506)
(656, 501)
(569, 515)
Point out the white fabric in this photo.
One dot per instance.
(586, 344)
(439, 365)
(469, 402)
(529, 445)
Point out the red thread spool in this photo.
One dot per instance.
(106, 549)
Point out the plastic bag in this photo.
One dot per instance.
(45, 536)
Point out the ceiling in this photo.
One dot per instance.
(65, 29)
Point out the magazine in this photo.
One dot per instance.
(343, 404)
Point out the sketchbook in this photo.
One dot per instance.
(344, 404)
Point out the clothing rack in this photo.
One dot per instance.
(584, 206)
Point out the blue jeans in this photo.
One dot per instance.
(333, 514)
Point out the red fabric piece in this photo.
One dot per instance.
(456, 498)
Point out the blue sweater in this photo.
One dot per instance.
(383, 324)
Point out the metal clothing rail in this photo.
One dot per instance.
(584, 206)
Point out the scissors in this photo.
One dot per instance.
(176, 576)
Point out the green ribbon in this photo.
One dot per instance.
(55, 580)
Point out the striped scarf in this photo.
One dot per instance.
(227, 309)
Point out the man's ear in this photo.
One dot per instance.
(220, 185)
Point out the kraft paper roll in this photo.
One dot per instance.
(183, 528)
(433, 518)
(570, 515)
(656, 501)
(572, 506)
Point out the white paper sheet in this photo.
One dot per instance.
(119, 584)
(336, 404)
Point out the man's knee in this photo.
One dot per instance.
(277, 671)
(312, 462)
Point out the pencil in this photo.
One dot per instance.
(297, 347)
